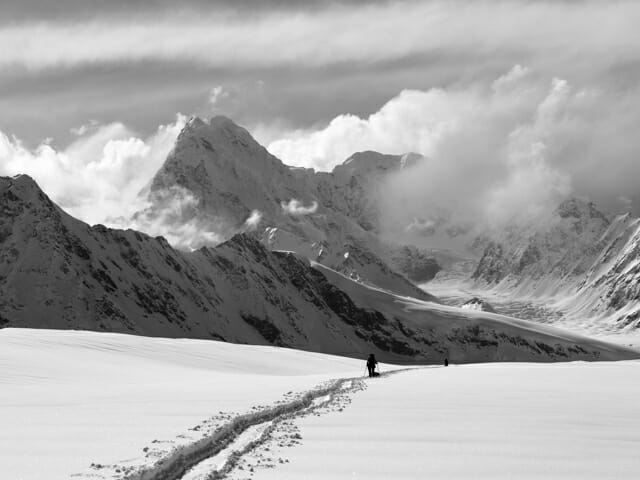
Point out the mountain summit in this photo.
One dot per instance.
(218, 175)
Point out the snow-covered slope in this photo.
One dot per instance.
(482, 422)
(102, 406)
(219, 179)
(611, 286)
(73, 399)
(577, 257)
(467, 335)
(554, 249)
(57, 272)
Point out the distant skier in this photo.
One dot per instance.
(371, 365)
(446, 362)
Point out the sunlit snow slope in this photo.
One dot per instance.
(110, 406)
(70, 399)
(577, 258)
(498, 421)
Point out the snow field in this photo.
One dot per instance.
(107, 406)
(203, 470)
(71, 399)
(494, 421)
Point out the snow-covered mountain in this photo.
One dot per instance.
(611, 286)
(219, 179)
(577, 255)
(354, 187)
(57, 272)
(561, 245)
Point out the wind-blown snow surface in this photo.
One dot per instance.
(111, 406)
(493, 421)
(69, 399)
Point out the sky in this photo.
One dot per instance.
(502, 95)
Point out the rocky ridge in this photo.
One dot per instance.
(57, 272)
(578, 255)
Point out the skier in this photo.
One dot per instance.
(446, 362)
(371, 365)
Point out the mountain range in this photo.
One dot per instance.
(278, 255)
(585, 260)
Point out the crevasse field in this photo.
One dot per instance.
(91, 405)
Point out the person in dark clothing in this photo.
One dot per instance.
(371, 364)
(446, 362)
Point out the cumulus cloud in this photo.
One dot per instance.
(85, 128)
(296, 207)
(412, 121)
(515, 145)
(98, 176)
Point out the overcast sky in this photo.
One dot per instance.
(74, 73)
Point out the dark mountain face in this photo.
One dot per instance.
(57, 272)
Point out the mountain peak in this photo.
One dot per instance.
(369, 161)
(215, 134)
(221, 121)
(218, 123)
(22, 186)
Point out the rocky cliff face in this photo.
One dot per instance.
(577, 254)
(561, 245)
(57, 272)
(611, 285)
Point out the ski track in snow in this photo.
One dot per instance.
(232, 444)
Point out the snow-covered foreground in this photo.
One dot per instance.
(107, 406)
(69, 399)
(495, 421)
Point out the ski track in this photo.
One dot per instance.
(216, 454)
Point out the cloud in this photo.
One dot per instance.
(137, 64)
(252, 222)
(332, 35)
(296, 207)
(175, 214)
(85, 128)
(425, 228)
(172, 217)
(624, 201)
(515, 145)
(98, 177)
(217, 94)
(412, 121)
